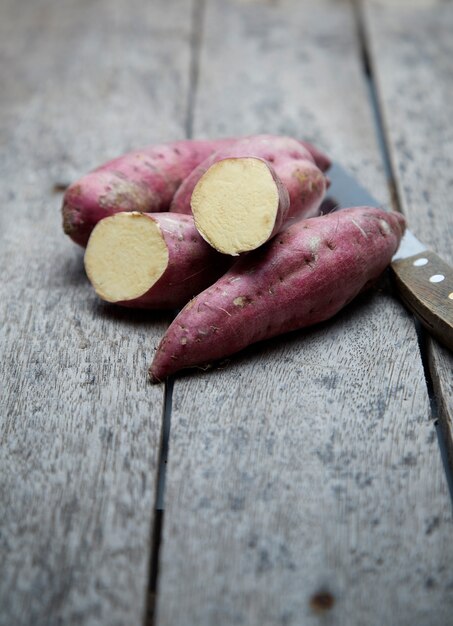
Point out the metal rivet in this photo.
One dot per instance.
(420, 262)
(437, 278)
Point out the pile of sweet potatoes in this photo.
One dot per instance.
(221, 228)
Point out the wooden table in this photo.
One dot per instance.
(304, 483)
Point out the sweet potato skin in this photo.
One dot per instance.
(303, 276)
(144, 180)
(306, 186)
(292, 162)
(321, 159)
(192, 266)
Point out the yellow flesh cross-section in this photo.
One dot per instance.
(126, 255)
(235, 204)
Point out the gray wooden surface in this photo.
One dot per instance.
(80, 426)
(304, 481)
(412, 52)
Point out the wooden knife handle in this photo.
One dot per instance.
(425, 284)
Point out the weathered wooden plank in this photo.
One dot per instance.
(80, 425)
(304, 481)
(412, 49)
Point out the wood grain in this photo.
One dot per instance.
(412, 48)
(304, 482)
(80, 425)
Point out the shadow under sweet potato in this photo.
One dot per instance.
(131, 317)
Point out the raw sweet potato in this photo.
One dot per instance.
(285, 154)
(321, 159)
(303, 276)
(150, 260)
(144, 180)
(235, 203)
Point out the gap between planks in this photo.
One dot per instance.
(389, 170)
(159, 505)
(198, 10)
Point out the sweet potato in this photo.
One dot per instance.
(234, 204)
(150, 260)
(321, 159)
(144, 180)
(303, 276)
(285, 154)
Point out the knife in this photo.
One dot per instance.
(423, 280)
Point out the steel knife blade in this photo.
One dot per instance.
(423, 280)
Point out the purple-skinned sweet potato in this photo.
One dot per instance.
(321, 159)
(150, 260)
(284, 154)
(235, 204)
(301, 277)
(144, 180)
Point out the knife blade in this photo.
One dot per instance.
(423, 280)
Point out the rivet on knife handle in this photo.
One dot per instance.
(425, 283)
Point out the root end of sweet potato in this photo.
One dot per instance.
(153, 379)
